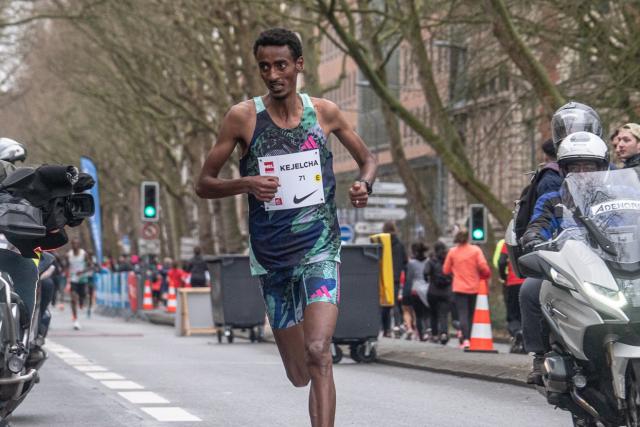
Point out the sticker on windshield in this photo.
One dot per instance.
(616, 205)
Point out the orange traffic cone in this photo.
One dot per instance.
(171, 300)
(147, 302)
(481, 338)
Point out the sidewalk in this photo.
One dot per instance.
(502, 367)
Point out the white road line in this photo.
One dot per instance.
(122, 385)
(105, 376)
(90, 368)
(78, 361)
(170, 414)
(115, 381)
(142, 397)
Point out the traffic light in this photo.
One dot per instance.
(478, 223)
(149, 201)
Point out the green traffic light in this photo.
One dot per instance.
(149, 211)
(478, 234)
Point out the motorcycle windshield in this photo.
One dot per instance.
(611, 200)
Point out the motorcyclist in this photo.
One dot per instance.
(578, 152)
(571, 117)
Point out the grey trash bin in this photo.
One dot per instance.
(359, 317)
(235, 296)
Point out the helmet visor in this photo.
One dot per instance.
(570, 121)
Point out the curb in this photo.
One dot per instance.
(461, 374)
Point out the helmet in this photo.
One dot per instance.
(574, 117)
(12, 151)
(583, 146)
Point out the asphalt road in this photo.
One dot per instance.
(116, 373)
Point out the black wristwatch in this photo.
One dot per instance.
(368, 184)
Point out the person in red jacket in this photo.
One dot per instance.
(468, 266)
(177, 276)
(512, 285)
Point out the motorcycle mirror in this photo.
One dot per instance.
(532, 265)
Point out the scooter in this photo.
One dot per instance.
(590, 299)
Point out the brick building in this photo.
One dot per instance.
(493, 117)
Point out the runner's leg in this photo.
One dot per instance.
(319, 325)
(290, 342)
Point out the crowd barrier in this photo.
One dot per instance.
(118, 292)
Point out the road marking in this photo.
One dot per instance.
(122, 385)
(142, 397)
(115, 381)
(105, 376)
(170, 414)
(90, 368)
(79, 361)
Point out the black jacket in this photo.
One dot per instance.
(439, 283)
(632, 161)
(399, 256)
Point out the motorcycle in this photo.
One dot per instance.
(590, 299)
(35, 205)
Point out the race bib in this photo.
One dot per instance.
(300, 176)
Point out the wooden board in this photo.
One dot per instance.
(194, 314)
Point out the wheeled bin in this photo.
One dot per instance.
(359, 310)
(235, 297)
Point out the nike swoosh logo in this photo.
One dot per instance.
(301, 199)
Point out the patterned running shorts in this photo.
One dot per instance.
(288, 292)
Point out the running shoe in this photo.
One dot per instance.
(76, 325)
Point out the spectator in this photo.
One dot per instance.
(512, 285)
(468, 266)
(123, 264)
(399, 257)
(197, 267)
(628, 146)
(177, 276)
(164, 275)
(550, 180)
(414, 310)
(439, 296)
(613, 139)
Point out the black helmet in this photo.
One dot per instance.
(574, 117)
(12, 151)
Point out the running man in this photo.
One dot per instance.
(78, 265)
(286, 169)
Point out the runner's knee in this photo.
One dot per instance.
(319, 354)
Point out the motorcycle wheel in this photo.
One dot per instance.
(632, 410)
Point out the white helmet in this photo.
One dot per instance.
(12, 151)
(583, 146)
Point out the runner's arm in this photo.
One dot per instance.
(209, 186)
(334, 121)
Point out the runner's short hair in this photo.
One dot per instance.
(279, 37)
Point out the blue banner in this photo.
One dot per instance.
(95, 222)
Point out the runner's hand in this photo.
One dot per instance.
(358, 194)
(264, 188)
